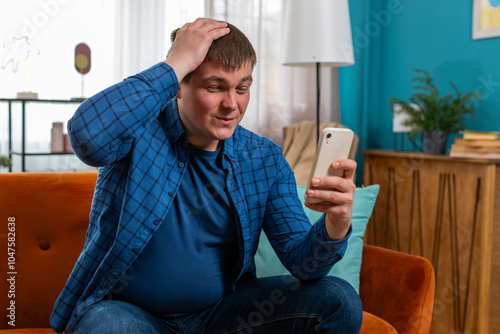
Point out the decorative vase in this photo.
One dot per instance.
(435, 142)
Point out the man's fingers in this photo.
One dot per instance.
(348, 165)
(328, 207)
(215, 34)
(191, 44)
(333, 192)
(345, 164)
(204, 21)
(332, 183)
(216, 29)
(208, 25)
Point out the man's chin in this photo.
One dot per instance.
(223, 134)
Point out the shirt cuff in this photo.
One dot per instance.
(161, 77)
(334, 246)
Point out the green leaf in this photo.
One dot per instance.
(435, 111)
(5, 161)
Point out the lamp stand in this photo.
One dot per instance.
(318, 94)
(308, 24)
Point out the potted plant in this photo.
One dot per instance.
(5, 161)
(434, 115)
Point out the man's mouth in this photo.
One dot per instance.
(226, 120)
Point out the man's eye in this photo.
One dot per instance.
(242, 89)
(214, 88)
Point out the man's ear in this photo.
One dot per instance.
(178, 95)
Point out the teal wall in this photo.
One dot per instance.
(391, 38)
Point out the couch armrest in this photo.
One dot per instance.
(51, 213)
(398, 288)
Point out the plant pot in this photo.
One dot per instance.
(435, 142)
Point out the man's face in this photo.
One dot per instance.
(213, 102)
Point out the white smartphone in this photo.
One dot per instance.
(334, 144)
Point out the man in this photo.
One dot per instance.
(180, 201)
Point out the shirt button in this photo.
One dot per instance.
(156, 221)
(170, 193)
(98, 295)
(115, 274)
(135, 250)
(181, 164)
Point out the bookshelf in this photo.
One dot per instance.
(24, 105)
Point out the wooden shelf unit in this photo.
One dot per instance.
(448, 211)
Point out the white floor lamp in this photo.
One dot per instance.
(317, 32)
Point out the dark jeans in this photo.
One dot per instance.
(280, 304)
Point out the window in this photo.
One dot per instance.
(53, 28)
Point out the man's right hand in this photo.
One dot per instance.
(191, 45)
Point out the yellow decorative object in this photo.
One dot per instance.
(81, 62)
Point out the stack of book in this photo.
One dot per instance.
(477, 145)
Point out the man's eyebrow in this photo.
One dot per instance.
(247, 78)
(223, 80)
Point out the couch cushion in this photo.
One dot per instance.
(375, 325)
(268, 264)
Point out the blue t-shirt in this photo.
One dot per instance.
(187, 265)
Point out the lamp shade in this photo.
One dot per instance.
(317, 31)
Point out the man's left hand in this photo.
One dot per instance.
(336, 195)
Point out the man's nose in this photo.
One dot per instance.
(229, 101)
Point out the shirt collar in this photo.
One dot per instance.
(172, 121)
(228, 147)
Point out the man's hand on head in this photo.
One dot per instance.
(336, 194)
(191, 45)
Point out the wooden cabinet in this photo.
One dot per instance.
(448, 211)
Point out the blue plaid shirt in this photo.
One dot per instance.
(133, 131)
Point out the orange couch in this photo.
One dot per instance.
(44, 218)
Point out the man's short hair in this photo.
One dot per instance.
(233, 50)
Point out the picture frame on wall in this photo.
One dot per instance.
(486, 19)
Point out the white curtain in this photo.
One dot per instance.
(280, 95)
(139, 36)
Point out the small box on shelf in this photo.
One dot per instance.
(27, 95)
(67, 144)
(57, 138)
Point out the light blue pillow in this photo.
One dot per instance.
(268, 264)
